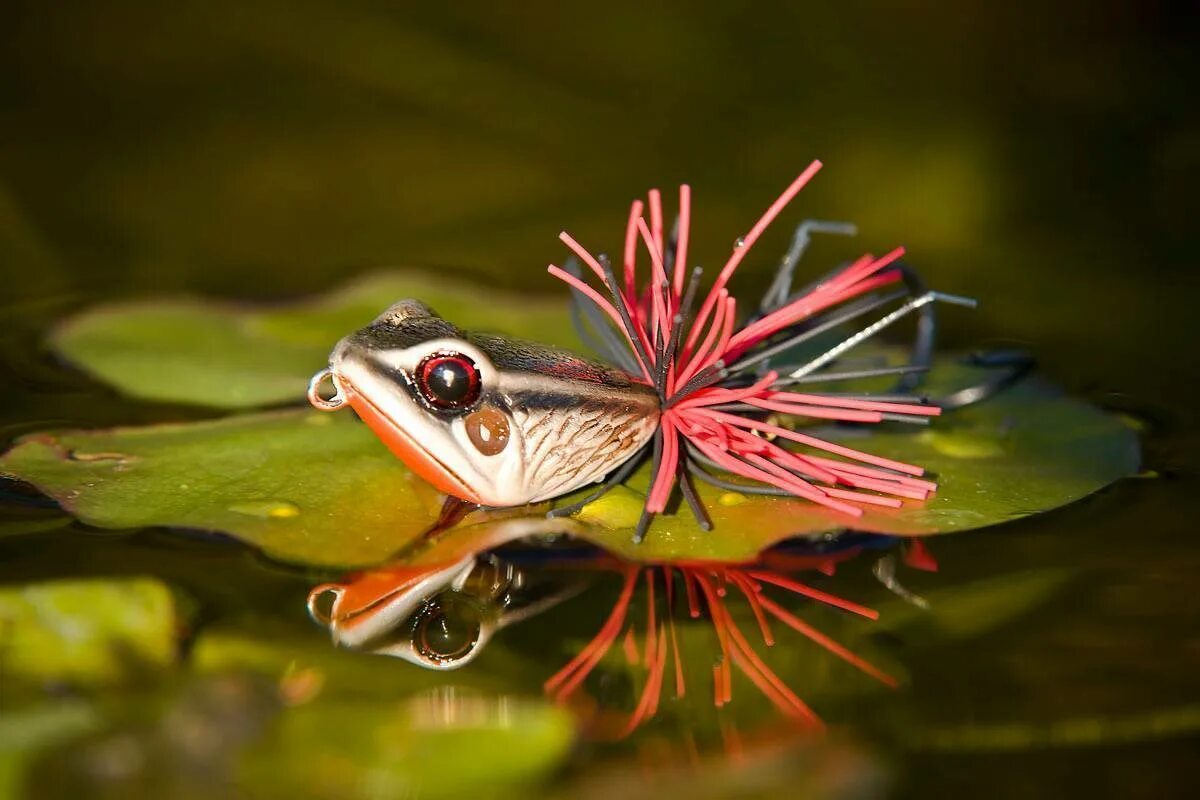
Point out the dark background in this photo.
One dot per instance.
(1043, 157)
(1039, 156)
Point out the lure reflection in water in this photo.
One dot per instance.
(435, 617)
(441, 617)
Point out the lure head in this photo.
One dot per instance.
(491, 420)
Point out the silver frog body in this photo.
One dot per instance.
(491, 420)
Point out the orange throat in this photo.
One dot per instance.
(408, 450)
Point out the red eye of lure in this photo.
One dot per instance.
(448, 380)
(712, 374)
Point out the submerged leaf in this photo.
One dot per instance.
(442, 744)
(86, 631)
(1071, 732)
(27, 732)
(230, 356)
(351, 715)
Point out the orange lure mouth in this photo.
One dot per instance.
(408, 449)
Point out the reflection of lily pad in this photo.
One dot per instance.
(320, 489)
(25, 524)
(192, 351)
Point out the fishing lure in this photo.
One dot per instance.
(500, 422)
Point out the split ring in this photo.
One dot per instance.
(319, 402)
(316, 610)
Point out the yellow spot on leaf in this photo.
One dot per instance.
(266, 509)
(963, 444)
(620, 508)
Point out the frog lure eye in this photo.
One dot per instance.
(690, 383)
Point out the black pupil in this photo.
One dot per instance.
(447, 633)
(449, 380)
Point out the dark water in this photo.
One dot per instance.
(1040, 160)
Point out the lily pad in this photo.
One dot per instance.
(87, 632)
(316, 490)
(301, 485)
(233, 356)
(320, 489)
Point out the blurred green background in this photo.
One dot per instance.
(1041, 157)
(1038, 156)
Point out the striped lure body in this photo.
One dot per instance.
(535, 422)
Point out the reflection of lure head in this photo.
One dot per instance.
(490, 420)
(438, 617)
(401, 612)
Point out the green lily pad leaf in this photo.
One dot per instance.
(320, 489)
(87, 632)
(232, 356)
(444, 744)
(301, 485)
